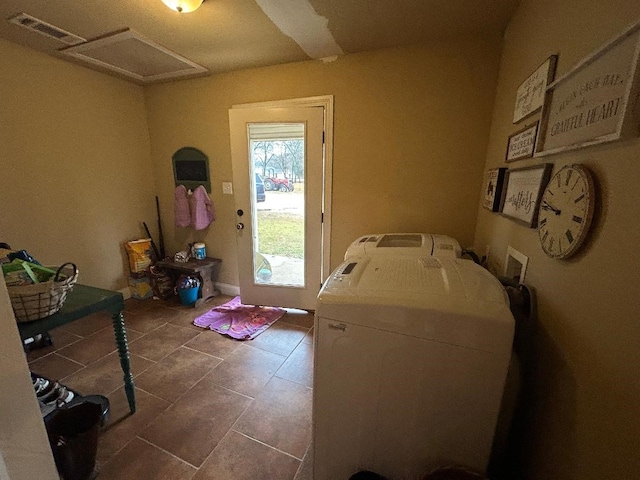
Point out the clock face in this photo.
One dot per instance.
(566, 210)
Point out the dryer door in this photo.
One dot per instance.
(400, 405)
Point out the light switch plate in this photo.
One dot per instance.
(227, 188)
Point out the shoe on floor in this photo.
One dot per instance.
(58, 396)
(40, 385)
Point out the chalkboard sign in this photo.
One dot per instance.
(191, 168)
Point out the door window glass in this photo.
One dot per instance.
(277, 166)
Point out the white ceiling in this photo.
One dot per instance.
(228, 35)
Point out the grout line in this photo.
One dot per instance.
(249, 405)
(166, 451)
(144, 333)
(216, 447)
(153, 395)
(292, 381)
(268, 351)
(294, 324)
(270, 446)
(237, 393)
(40, 358)
(142, 428)
(93, 361)
(71, 359)
(204, 353)
(304, 457)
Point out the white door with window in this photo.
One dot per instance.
(277, 158)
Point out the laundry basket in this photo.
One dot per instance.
(39, 300)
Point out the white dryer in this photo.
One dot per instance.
(411, 356)
(404, 244)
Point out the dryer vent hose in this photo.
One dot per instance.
(472, 254)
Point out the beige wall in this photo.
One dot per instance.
(583, 406)
(24, 448)
(75, 169)
(411, 126)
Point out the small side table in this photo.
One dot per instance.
(84, 300)
(206, 270)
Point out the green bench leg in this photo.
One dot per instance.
(125, 363)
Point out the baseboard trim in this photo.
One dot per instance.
(227, 289)
(224, 288)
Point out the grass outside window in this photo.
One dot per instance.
(281, 234)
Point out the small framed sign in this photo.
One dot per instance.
(522, 191)
(530, 95)
(597, 101)
(494, 179)
(522, 143)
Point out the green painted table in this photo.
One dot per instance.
(82, 301)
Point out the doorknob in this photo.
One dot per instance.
(240, 226)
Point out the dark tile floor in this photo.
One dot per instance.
(208, 406)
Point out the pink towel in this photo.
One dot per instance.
(202, 213)
(181, 207)
(236, 320)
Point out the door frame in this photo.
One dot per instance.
(326, 102)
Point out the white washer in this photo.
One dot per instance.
(411, 356)
(404, 244)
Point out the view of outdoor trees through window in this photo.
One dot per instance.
(277, 164)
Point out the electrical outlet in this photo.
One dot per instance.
(227, 188)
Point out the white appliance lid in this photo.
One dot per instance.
(404, 243)
(443, 299)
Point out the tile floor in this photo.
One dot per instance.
(208, 406)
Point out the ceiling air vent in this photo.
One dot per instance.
(46, 29)
(130, 54)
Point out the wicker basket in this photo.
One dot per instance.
(33, 302)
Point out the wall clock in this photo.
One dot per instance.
(566, 210)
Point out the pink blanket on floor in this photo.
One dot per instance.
(243, 322)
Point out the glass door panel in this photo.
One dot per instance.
(277, 171)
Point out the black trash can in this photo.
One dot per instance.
(73, 436)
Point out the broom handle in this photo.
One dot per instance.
(160, 236)
(153, 244)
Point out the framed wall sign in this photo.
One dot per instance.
(522, 191)
(494, 180)
(522, 143)
(530, 94)
(597, 101)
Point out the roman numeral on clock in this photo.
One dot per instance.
(569, 173)
(569, 236)
(576, 183)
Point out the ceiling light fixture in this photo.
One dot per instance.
(183, 6)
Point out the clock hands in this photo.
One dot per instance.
(546, 206)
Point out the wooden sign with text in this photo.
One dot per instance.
(522, 143)
(597, 101)
(522, 191)
(530, 95)
(494, 180)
